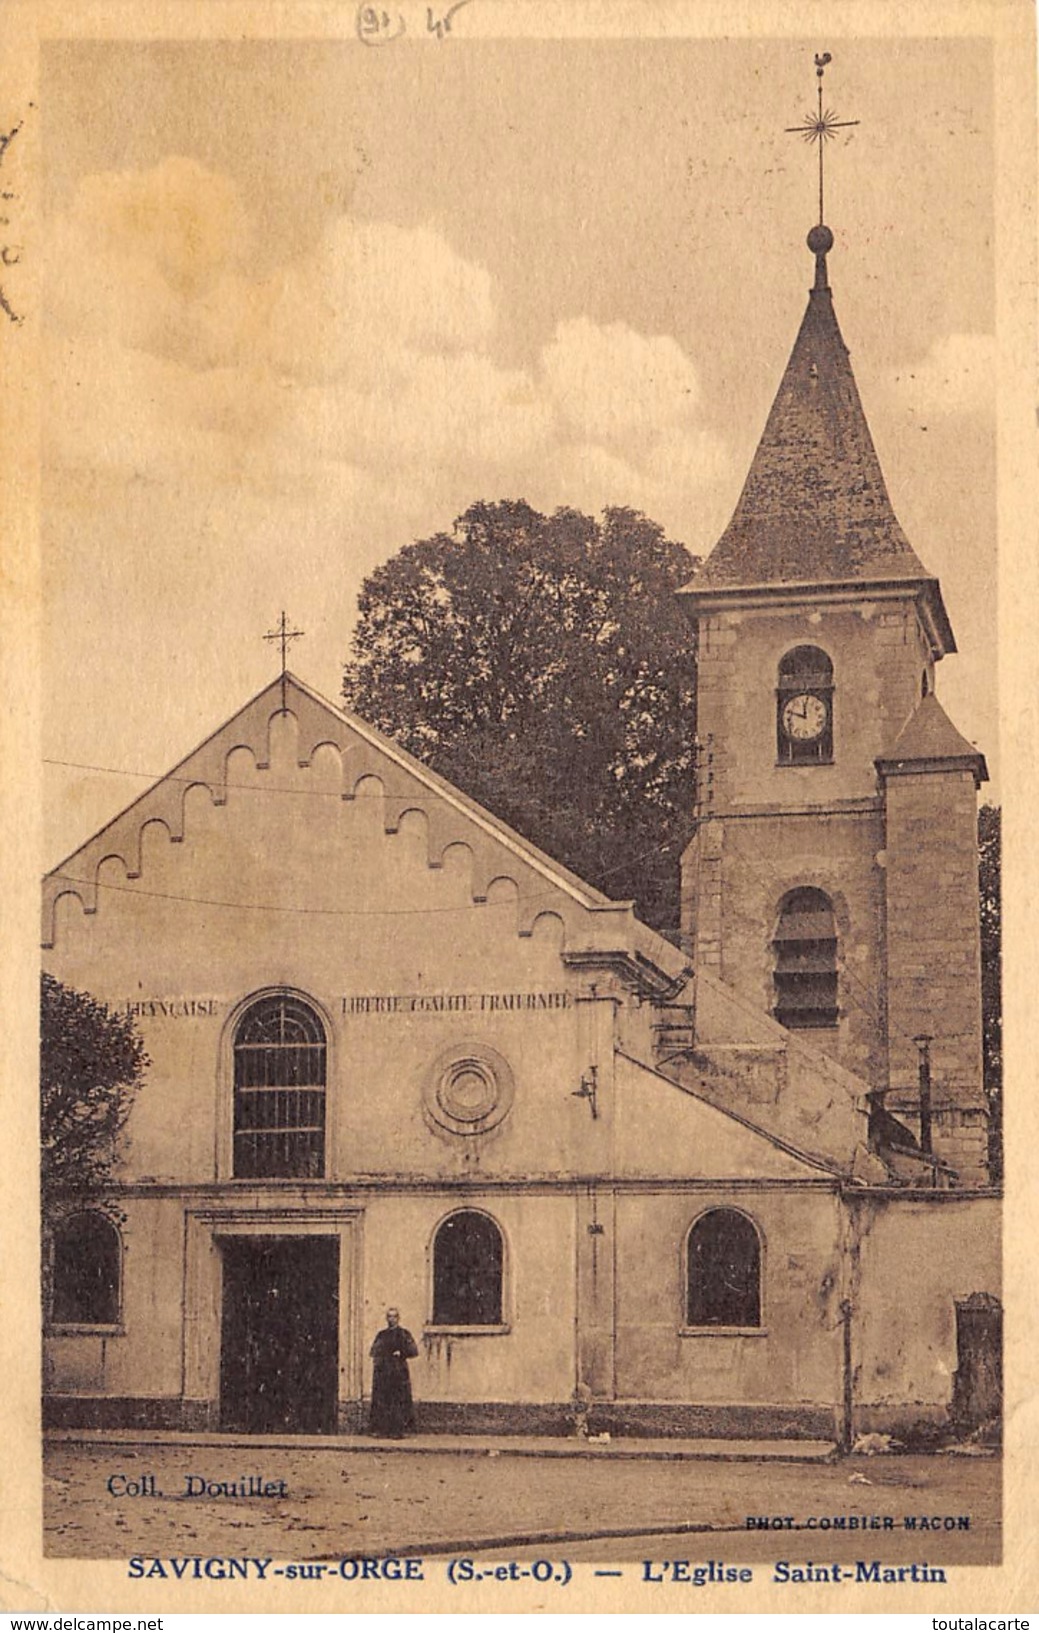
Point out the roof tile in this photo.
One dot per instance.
(929, 735)
(814, 507)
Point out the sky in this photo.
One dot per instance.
(306, 302)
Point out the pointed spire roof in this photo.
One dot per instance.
(930, 742)
(814, 507)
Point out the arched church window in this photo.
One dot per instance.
(804, 707)
(723, 1264)
(805, 969)
(280, 1059)
(85, 1280)
(468, 1260)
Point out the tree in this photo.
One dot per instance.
(92, 1062)
(543, 664)
(990, 856)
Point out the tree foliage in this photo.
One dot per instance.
(543, 664)
(92, 1062)
(990, 859)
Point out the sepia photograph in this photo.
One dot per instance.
(521, 1032)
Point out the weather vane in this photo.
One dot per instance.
(821, 126)
(283, 634)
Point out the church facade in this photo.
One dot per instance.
(400, 1058)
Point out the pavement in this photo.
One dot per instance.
(116, 1494)
(669, 1450)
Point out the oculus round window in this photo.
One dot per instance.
(469, 1089)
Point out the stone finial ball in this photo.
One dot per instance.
(820, 240)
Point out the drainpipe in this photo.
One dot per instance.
(847, 1381)
(923, 1043)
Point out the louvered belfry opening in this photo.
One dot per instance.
(280, 1061)
(805, 948)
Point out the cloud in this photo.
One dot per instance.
(154, 261)
(370, 295)
(186, 221)
(612, 384)
(676, 464)
(956, 377)
(365, 368)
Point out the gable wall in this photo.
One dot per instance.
(383, 936)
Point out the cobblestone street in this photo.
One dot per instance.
(620, 1502)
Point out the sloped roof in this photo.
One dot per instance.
(928, 738)
(814, 507)
(706, 1140)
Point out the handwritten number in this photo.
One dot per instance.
(378, 27)
(442, 25)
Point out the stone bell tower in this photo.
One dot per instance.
(832, 878)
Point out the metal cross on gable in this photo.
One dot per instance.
(821, 126)
(283, 634)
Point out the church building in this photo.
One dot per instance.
(732, 1184)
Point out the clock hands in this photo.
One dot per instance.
(804, 716)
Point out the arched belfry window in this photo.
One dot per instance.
(468, 1259)
(804, 707)
(723, 1264)
(85, 1279)
(280, 1058)
(805, 970)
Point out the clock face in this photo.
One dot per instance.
(804, 717)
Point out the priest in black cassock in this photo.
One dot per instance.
(392, 1412)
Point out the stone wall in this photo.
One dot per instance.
(766, 827)
(934, 957)
(910, 1259)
